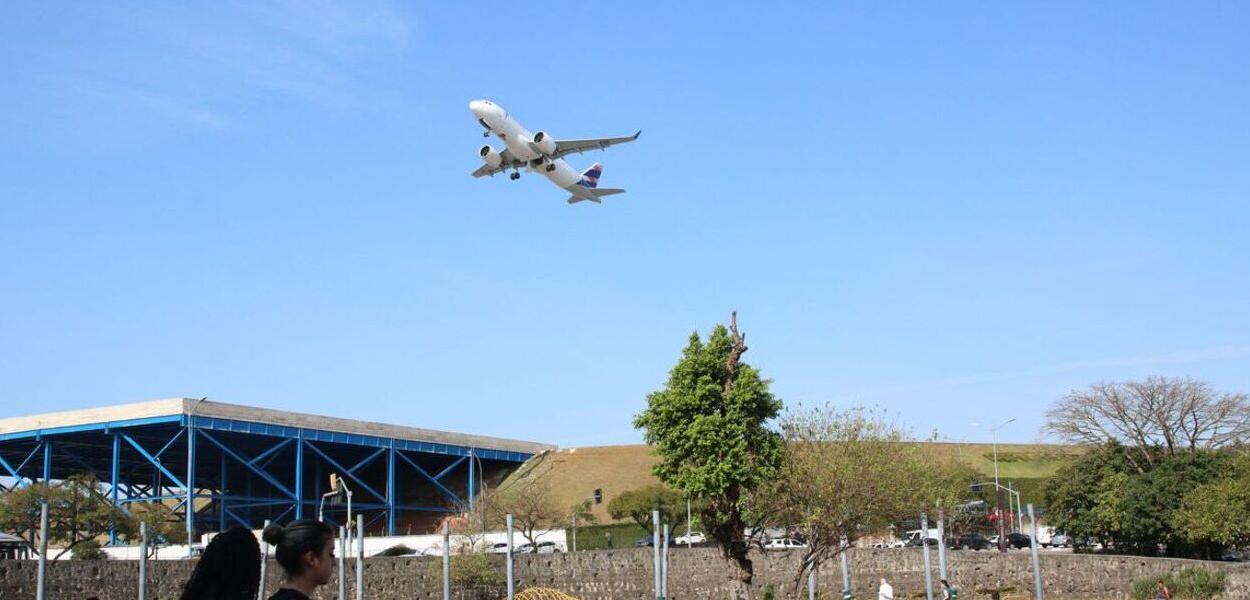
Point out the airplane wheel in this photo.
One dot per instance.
(514, 176)
(551, 168)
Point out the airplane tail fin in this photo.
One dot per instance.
(590, 177)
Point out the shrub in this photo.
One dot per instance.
(89, 550)
(1191, 583)
(397, 550)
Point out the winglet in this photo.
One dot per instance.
(638, 134)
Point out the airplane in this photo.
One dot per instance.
(540, 153)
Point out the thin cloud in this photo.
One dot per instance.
(1201, 355)
(116, 97)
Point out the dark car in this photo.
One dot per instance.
(646, 542)
(917, 542)
(1018, 540)
(969, 541)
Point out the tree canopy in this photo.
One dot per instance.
(710, 428)
(1153, 418)
(77, 512)
(637, 505)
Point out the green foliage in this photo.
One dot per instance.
(397, 550)
(637, 505)
(472, 570)
(1108, 498)
(849, 472)
(709, 427)
(595, 537)
(89, 550)
(77, 511)
(1218, 513)
(1192, 583)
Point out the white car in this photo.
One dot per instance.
(783, 544)
(500, 548)
(694, 537)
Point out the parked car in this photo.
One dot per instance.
(547, 548)
(646, 542)
(969, 541)
(694, 537)
(917, 542)
(1018, 540)
(500, 548)
(783, 544)
(1060, 540)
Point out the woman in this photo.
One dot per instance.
(1162, 592)
(948, 592)
(305, 549)
(229, 568)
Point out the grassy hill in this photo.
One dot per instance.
(574, 473)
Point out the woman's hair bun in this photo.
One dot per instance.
(273, 534)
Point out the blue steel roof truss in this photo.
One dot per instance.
(257, 452)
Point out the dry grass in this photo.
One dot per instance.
(574, 473)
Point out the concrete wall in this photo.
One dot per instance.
(627, 575)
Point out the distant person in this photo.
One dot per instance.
(948, 592)
(885, 591)
(609, 534)
(305, 549)
(1162, 592)
(228, 569)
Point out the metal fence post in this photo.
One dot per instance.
(1037, 566)
(511, 582)
(924, 545)
(360, 559)
(811, 581)
(264, 560)
(446, 562)
(143, 560)
(342, 563)
(664, 580)
(941, 541)
(846, 570)
(655, 542)
(41, 585)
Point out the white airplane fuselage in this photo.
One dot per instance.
(518, 140)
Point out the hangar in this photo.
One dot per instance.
(222, 464)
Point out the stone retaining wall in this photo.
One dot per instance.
(627, 575)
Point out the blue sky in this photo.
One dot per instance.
(956, 212)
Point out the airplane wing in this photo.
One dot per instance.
(507, 161)
(566, 147)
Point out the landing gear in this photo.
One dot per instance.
(551, 167)
(514, 176)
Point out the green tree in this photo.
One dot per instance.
(1217, 514)
(164, 525)
(1108, 498)
(709, 427)
(77, 512)
(637, 505)
(851, 472)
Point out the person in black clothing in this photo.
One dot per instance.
(229, 568)
(305, 549)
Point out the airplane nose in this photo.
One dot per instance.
(477, 107)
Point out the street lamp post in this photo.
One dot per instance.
(998, 503)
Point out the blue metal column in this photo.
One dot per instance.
(392, 494)
(47, 461)
(221, 500)
(190, 508)
(114, 478)
(299, 476)
(472, 471)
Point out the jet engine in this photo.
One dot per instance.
(489, 156)
(544, 143)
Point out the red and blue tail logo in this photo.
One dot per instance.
(590, 178)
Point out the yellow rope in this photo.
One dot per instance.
(542, 594)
